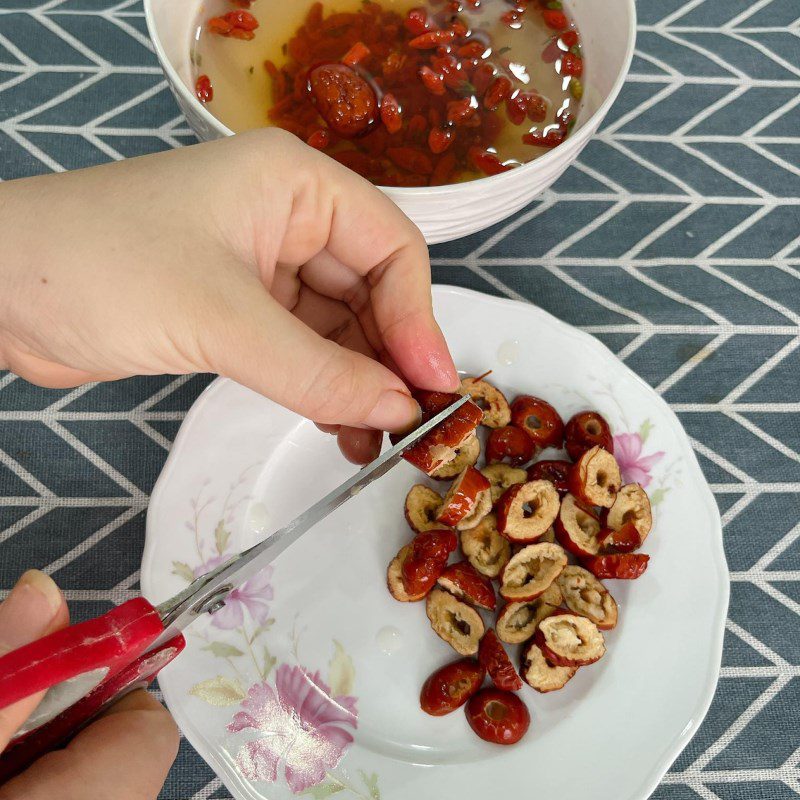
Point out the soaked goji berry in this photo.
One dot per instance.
(498, 91)
(417, 21)
(391, 114)
(557, 20)
(203, 89)
(319, 139)
(356, 54)
(481, 78)
(539, 139)
(571, 65)
(439, 139)
(487, 162)
(570, 38)
(431, 40)
(471, 50)
(410, 159)
(462, 112)
(444, 170)
(434, 81)
(516, 108)
(536, 106)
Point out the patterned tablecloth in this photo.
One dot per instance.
(675, 240)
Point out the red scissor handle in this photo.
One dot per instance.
(101, 657)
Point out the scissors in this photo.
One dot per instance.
(84, 668)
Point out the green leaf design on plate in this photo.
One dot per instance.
(269, 662)
(323, 790)
(183, 570)
(262, 629)
(371, 782)
(221, 536)
(658, 496)
(219, 691)
(342, 673)
(644, 431)
(223, 650)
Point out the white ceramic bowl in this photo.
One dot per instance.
(443, 213)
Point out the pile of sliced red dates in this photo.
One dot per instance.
(546, 531)
(419, 99)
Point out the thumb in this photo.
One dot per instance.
(34, 608)
(261, 345)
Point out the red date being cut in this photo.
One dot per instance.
(451, 686)
(497, 716)
(492, 655)
(508, 445)
(586, 430)
(343, 99)
(539, 420)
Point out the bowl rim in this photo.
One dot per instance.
(573, 144)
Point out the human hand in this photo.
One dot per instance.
(255, 257)
(125, 753)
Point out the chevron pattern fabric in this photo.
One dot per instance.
(675, 240)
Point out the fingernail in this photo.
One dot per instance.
(28, 610)
(395, 412)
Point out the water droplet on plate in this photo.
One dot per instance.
(389, 639)
(258, 518)
(508, 352)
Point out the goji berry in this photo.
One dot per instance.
(203, 89)
(487, 162)
(571, 65)
(557, 20)
(410, 159)
(356, 54)
(481, 78)
(459, 29)
(434, 81)
(570, 38)
(498, 91)
(462, 112)
(391, 114)
(417, 22)
(516, 108)
(319, 139)
(444, 169)
(440, 139)
(431, 40)
(552, 138)
(471, 50)
(536, 107)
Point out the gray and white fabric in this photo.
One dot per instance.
(675, 240)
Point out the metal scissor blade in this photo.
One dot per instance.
(208, 592)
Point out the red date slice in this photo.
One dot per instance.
(631, 505)
(502, 477)
(485, 548)
(586, 430)
(517, 622)
(493, 657)
(557, 472)
(539, 420)
(625, 540)
(463, 581)
(509, 444)
(527, 510)
(540, 674)
(595, 478)
(468, 500)
(421, 507)
(496, 412)
(528, 574)
(427, 559)
(497, 716)
(618, 566)
(568, 640)
(585, 595)
(343, 99)
(454, 621)
(577, 528)
(394, 578)
(451, 686)
(466, 456)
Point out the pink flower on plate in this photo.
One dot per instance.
(300, 726)
(251, 595)
(634, 466)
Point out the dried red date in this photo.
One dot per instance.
(343, 98)
(451, 686)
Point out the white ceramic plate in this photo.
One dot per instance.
(251, 690)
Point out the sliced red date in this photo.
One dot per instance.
(421, 507)
(618, 566)
(468, 500)
(451, 686)
(540, 674)
(485, 548)
(568, 640)
(454, 621)
(466, 456)
(577, 528)
(496, 412)
(527, 510)
(555, 471)
(539, 420)
(585, 595)
(463, 581)
(586, 430)
(631, 505)
(517, 622)
(509, 444)
(493, 657)
(530, 571)
(595, 478)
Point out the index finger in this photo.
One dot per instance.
(374, 238)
